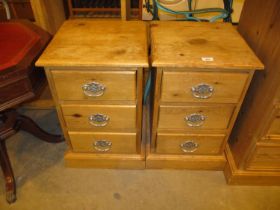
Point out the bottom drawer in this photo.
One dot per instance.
(124, 143)
(189, 144)
(265, 156)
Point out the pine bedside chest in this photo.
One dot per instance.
(202, 73)
(94, 69)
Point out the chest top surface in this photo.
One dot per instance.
(200, 45)
(104, 43)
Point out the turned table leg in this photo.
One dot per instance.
(13, 122)
(8, 173)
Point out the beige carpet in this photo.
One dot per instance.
(44, 183)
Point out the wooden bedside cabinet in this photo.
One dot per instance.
(95, 71)
(202, 73)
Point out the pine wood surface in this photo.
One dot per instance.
(228, 87)
(120, 85)
(262, 34)
(207, 144)
(122, 143)
(265, 157)
(48, 14)
(235, 176)
(105, 43)
(115, 161)
(187, 54)
(278, 96)
(186, 44)
(275, 125)
(122, 117)
(217, 117)
(192, 162)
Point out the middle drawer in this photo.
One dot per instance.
(195, 117)
(100, 117)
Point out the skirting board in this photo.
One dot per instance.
(156, 161)
(235, 176)
(87, 160)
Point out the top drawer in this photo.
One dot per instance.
(202, 86)
(95, 85)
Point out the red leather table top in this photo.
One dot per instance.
(16, 41)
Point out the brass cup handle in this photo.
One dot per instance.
(99, 120)
(202, 91)
(93, 89)
(102, 145)
(195, 120)
(189, 146)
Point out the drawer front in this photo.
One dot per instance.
(103, 142)
(95, 85)
(275, 125)
(99, 117)
(203, 87)
(265, 157)
(195, 117)
(189, 144)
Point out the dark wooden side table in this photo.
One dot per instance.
(21, 42)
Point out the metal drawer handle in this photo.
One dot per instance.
(189, 146)
(195, 120)
(93, 89)
(102, 145)
(99, 120)
(202, 91)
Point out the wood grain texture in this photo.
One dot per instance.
(190, 54)
(89, 43)
(265, 157)
(122, 117)
(207, 144)
(122, 143)
(278, 96)
(111, 53)
(235, 176)
(125, 9)
(120, 85)
(262, 34)
(58, 107)
(48, 14)
(228, 87)
(217, 117)
(186, 44)
(275, 125)
(156, 161)
(88, 160)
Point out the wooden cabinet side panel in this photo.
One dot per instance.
(57, 106)
(263, 36)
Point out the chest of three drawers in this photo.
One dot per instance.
(95, 72)
(202, 72)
